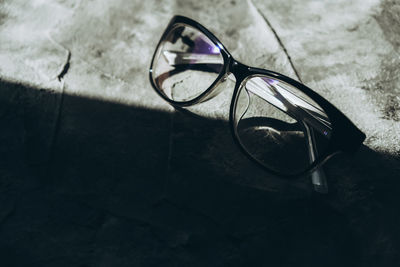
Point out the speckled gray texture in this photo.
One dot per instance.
(97, 170)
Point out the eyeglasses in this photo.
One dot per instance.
(279, 123)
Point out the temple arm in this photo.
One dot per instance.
(286, 101)
(318, 177)
(178, 58)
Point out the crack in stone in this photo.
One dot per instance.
(169, 156)
(278, 39)
(60, 77)
(65, 67)
(56, 128)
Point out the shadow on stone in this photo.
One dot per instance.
(106, 189)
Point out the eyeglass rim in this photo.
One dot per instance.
(345, 136)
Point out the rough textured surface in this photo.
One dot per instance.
(96, 170)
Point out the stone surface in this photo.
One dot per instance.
(97, 170)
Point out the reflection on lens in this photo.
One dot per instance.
(186, 64)
(279, 126)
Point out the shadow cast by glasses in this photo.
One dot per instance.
(107, 183)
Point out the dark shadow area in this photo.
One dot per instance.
(123, 186)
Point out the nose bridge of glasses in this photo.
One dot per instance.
(239, 70)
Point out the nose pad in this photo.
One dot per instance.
(242, 103)
(219, 87)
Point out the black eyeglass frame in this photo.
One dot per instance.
(345, 136)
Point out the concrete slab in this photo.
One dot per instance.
(97, 170)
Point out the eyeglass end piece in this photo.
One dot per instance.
(319, 181)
